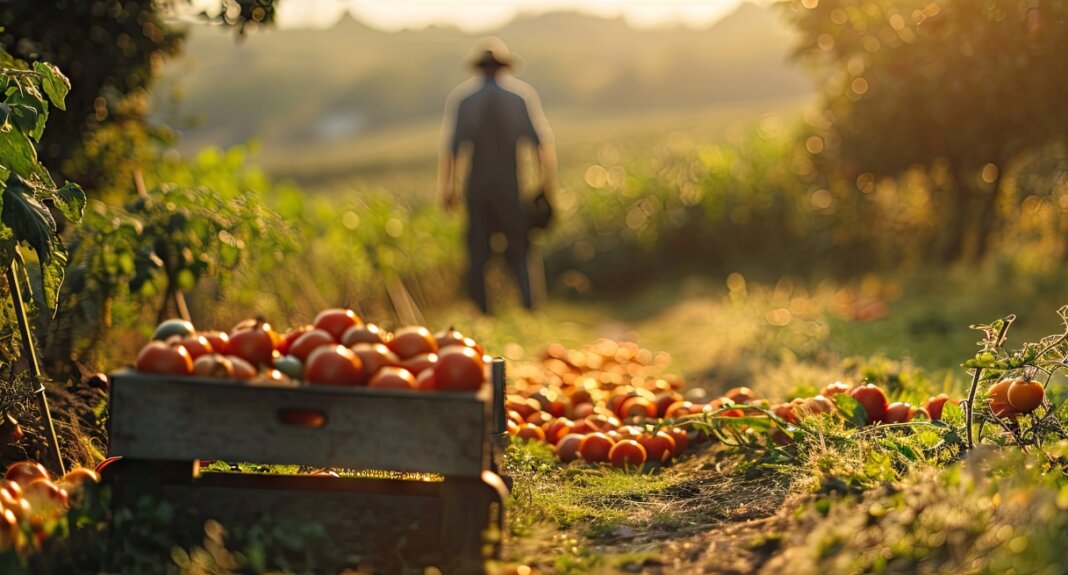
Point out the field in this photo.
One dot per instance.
(785, 330)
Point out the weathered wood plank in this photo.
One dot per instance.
(183, 418)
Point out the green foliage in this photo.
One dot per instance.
(27, 186)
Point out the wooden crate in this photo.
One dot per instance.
(162, 425)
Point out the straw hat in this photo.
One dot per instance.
(493, 50)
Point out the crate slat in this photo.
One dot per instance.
(183, 419)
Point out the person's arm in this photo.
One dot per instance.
(450, 147)
(447, 178)
(547, 168)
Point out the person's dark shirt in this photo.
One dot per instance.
(493, 115)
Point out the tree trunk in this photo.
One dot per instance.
(987, 222)
(956, 218)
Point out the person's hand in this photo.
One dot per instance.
(449, 199)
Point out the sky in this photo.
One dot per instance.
(480, 15)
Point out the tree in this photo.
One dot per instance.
(962, 87)
(111, 51)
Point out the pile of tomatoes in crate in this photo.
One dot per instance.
(31, 500)
(338, 348)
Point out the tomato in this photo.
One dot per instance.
(366, 333)
(24, 472)
(273, 377)
(196, 345)
(530, 432)
(740, 394)
(680, 409)
(392, 377)
(935, 404)
(242, 369)
(290, 366)
(158, 357)
(874, 401)
(173, 327)
(682, 440)
(898, 412)
(419, 363)
(11, 499)
(376, 356)
(213, 365)
(626, 454)
(254, 344)
(1025, 395)
(567, 449)
(336, 321)
(999, 400)
(817, 405)
(75, 480)
(449, 337)
(412, 340)
(834, 389)
(426, 381)
(919, 413)
(664, 400)
(558, 428)
(308, 342)
(459, 368)
(291, 336)
(637, 407)
(219, 340)
(595, 447)
(334, 365)
(785, 412)
(659, 447)
(45, 497)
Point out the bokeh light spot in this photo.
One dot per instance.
(596, 176)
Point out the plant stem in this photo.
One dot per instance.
(969, 409)
(35, 369)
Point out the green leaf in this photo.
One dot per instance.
(28, 120)
(30, 221)
(55, 84)
(851, 409)
(70, 201)
(17, 153)
(5, 116)
(52, 277)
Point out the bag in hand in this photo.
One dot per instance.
(539, 212)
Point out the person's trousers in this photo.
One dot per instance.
(484, 218)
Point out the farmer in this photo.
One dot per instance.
(486, 119)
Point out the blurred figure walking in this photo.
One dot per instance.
(487, 118)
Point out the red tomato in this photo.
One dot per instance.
(366, 333)
(664, 400)
(530, 432)
(196, 345)
(659, 447)
(254, 344)
(218, 340)
(392, 377)
(786, 412)
(76, 478)
(834, 389)
(419, 363)
(448, 337)
(158, 357)
(637, 407)
(626, 454)
(242, 369)
(557, 429)
(740, 394)
(308, 342)
(412, 340)
(376, 356)
(874, 401)
(935, 404)
(45, 497)
(25, 472)
(290, 337)
(567, 449)
(682, 440)
(898, 412)
(214, 365)
(1025, 396)
(459, 368)
(999, 399)
(426, 381)
(334, 365)
(680, 409)
(916, 413)
(336, 321)
(595, 447)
